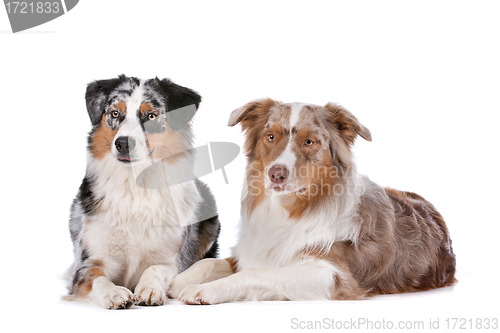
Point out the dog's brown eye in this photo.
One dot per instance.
(115, 114)
(309, 142)
(151, 116)
(270, 137)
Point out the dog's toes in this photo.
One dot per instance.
(196, 295)
(176, 287)
(149, 296)
(118, 298)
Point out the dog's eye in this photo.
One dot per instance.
(309, 142)
(115, 114)
(151, 116)
(270, 137)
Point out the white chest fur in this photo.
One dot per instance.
(134, 228)
(269, 238)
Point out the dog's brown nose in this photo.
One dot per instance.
(278, 174)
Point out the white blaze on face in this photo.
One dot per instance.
(287, 157)
(131, 126)
(295, 113)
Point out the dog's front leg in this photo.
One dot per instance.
(89, 281)
(306, 280)
(203, 271)
(151, 289)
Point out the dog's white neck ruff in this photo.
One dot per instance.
(135, 227)
(125, 203)
(269, 238)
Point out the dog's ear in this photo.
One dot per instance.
(253, 117)
(97, 95)
(251, 113)
(182, 103)
(345, 122)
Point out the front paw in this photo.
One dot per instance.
(117, 298)
(149, 295)
(177, 286)
(198, 294)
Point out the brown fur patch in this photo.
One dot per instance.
(145, 107)
(253, 116)
(345, 286)
(319, 189)
(120, 106)
(347, 124)
(322, 179)
(403, 246)
(423, 228)
(233, 263)
(317, 168)
(82, 285)
(403, 243)
(102, 140)
(255, 185)
(268, 151)
(169, 145)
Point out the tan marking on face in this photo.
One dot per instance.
(319, 182)
(102, 140)
(253, 117)
(120, 106)
(269, 151)
(145, 107)
(263, 152)
(313, 152)
(316, 168)
(315, 173)
(306, 128)
(169, 145)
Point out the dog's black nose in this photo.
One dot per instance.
(278, 174)
(125, 144)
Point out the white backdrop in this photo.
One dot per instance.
(423, 76)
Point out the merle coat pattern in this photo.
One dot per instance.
(131, 239)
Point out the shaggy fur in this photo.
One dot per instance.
(312, 228)
(130, 235)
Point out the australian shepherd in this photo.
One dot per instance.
(312, 228)
(140, 217)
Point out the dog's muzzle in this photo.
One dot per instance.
(124, 145)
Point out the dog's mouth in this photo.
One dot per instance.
(284, 189)
(128, 159)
